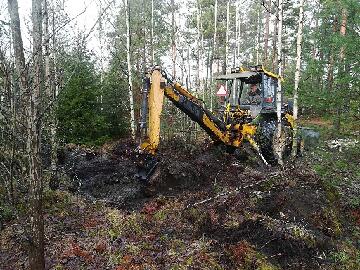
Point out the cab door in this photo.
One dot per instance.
(269, 86)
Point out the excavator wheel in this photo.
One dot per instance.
(266, 138)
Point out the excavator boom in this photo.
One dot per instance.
(162, 85)
(154, 102)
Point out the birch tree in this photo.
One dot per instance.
(278, 145)
(173, 38)
(238, 35)
(54, 95)
(258, 27)
(18, 45)
(297, 75)
(227, 35)
(274, 36)
(213, 51)
(32, 93)
(36, 255)
(214, 38)
(128, 56)
(9, 145)
(21, 74)
(202, 84)
(152, 34)
(50, 89)
(189, 68)
(267, 30)
(199, 56)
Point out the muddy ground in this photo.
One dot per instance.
(206, 209)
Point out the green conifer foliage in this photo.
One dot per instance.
(79, 111)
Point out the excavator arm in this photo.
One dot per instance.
(159, 84)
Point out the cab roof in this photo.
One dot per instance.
(241, 73)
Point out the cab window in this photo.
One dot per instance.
(270, 85)
(251, 93)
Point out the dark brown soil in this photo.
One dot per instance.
(204, 209)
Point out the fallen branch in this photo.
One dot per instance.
(236, 190)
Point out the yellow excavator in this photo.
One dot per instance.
(247, 116)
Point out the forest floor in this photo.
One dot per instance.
(208, 210)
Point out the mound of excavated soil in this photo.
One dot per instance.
(110, 175)
(106, 175)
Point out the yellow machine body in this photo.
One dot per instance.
(160, 85)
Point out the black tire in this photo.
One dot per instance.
(265, 137)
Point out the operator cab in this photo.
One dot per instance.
(253, 90)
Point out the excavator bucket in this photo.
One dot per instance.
(146, 167)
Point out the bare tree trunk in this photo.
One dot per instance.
(208, 72)
(330, 75)
(238, 38)
(36, 255)
(101, 56)
(18, 45)
(54, 182)
(144, 51)
(152, 34)
(200, 59)
(343, 32)
(182, 65)
(13, 110)
(297, 76)
(314, 52)
(267, 28)
(189, 67)
(198, 45)
(213, 52)
(236, 33)
(274, 37)
(128, 56)
(36, 250)
(342, 70)
(47, 50)
(227, 35)
(173, 40)
(258, 36)
(202, 81)
(49, 90)
(278, 144)
(8, 97)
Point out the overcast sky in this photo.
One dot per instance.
(73, 8)
(89, 12)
